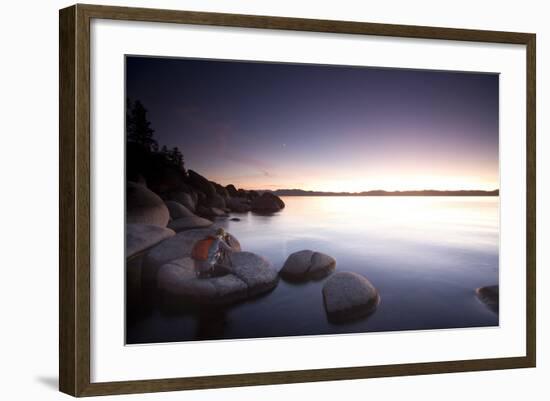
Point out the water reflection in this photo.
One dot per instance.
(425, 255)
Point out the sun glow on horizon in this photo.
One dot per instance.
(392, 183)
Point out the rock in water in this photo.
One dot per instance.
(255, 271)
(249, 276)
(348, 296)
(489, 296)
(267, 203)
(177, 247)
(238, 205)
(297, 265)
(177, 210)
(306, 265)
(178, 281)
(321, 265)
(188, 223)
(144, 206)
(142, 236)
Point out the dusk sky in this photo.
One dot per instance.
(325, 128)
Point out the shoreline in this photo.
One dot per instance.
(388, 195)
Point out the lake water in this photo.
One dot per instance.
(425, 255)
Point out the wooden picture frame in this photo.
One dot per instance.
(75, 207)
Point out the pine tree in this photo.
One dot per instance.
(138, 128)
(176, 157)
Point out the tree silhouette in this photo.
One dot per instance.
(176, 157)
(138, 128)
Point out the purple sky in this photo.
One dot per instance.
(329, 128)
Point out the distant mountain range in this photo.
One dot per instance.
(427, 192)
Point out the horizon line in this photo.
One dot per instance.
(376, 190)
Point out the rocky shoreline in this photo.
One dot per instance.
(163, 228)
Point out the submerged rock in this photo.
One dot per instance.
(349, 296)
(489, 296)
(249, 276)
(235, 219)
(267, 203)
(139, 237)
(143, 206)
(188, 223)
(306, 265)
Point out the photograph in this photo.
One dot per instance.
(276, 199)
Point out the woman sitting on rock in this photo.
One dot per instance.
(212, 255)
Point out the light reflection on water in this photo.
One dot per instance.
(426, 256)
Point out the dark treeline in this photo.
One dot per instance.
(160, 167)
(162, 170)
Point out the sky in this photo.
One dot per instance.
(323, 128)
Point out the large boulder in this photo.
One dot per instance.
(216, 201)
(243, 193)
(238, 205)
(140, 237)
(188, 223)
(201, 183)
(143, 206)
(307, 265)
(183, 198)
(177, 210)
(489, 296)
(267, 203)
(250, 275)
(255, 271)
(349, 296)
(220, 190)
(177, 247)
(211, 212)
(232, 191)
(178, 282)
(276, 199)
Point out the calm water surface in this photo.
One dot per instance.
(425, 255)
